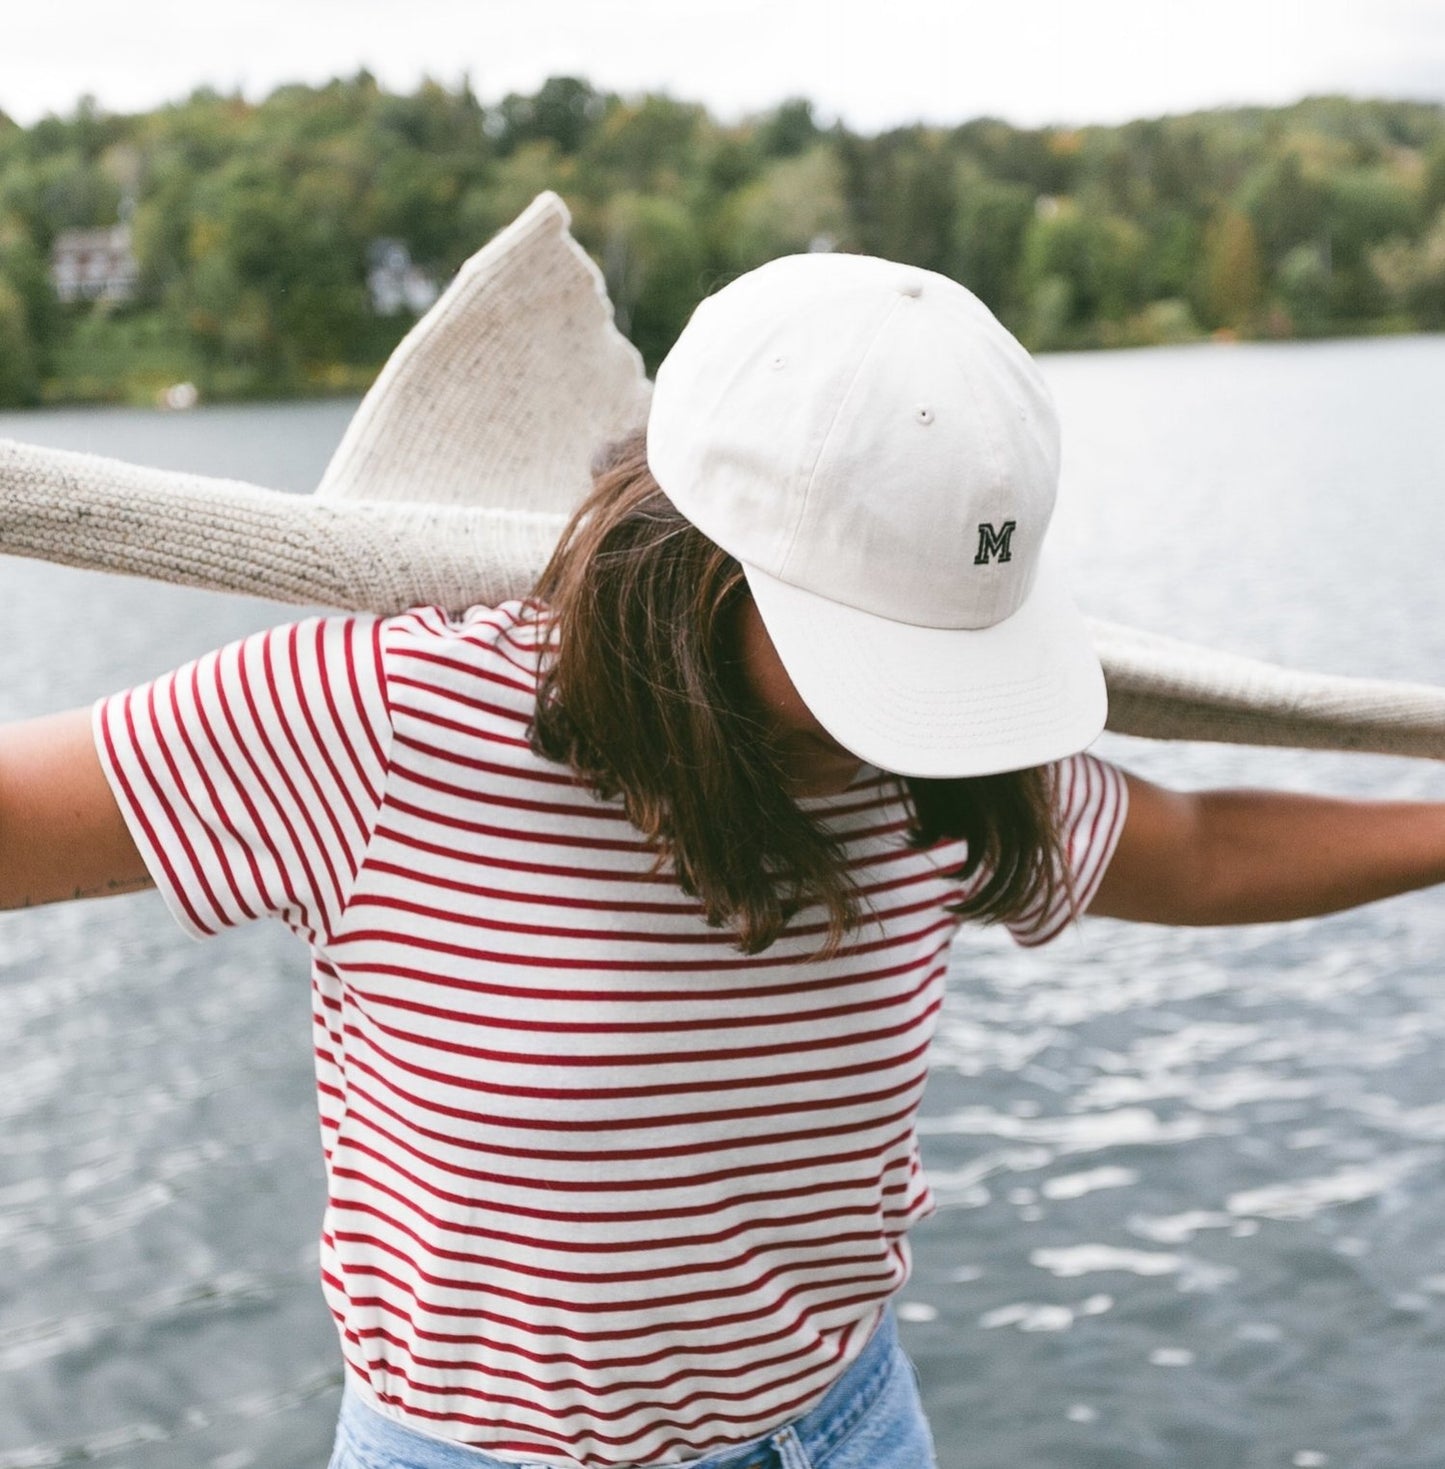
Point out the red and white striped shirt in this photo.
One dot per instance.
(602, 1189)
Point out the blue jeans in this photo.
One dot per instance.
(871, 1418)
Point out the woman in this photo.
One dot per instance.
(629, 905)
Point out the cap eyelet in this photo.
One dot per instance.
(923, 414)
(778, 363)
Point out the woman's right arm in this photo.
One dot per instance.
(61, 832)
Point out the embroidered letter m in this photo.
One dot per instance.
(993, 545)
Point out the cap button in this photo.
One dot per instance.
(910, 285)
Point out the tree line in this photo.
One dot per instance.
(251, 221)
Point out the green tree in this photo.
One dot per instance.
(992, 222)
(1096, 257)
(645, 146)
(565, 111)
(1044, 159)
(901, 196)
(1232, 272)
(278, 270)
(1412, 275)
(1052, 314)
(252, 220)
(653, 258)
(509, 186)
(788, 130)
(1367, 207)
(795, 205)
(19, 361)
(1287, 203)
(1304, 285)
(23, 269)
(1432, 190)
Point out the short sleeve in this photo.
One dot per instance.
(1091, 801)
(252, 778)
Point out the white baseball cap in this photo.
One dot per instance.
(882, 457)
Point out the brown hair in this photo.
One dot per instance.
(644, 695)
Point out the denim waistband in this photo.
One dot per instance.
(804, 1441)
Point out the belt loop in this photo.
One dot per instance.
(791, 1454)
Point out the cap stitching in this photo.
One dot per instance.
(843, 398)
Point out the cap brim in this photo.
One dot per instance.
(942, 702)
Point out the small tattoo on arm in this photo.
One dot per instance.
(116, 885)
(100, 890)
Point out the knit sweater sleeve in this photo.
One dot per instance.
(251, 779)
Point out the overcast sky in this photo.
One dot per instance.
(871, 62)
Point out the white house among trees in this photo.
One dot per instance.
(395, 281)
(94, 265)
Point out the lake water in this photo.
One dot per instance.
(1190, 1182)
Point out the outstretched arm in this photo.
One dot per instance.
(1240, 856)
(61, 833)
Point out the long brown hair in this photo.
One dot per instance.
(644, 695)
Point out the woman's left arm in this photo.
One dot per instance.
(1246, 856)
